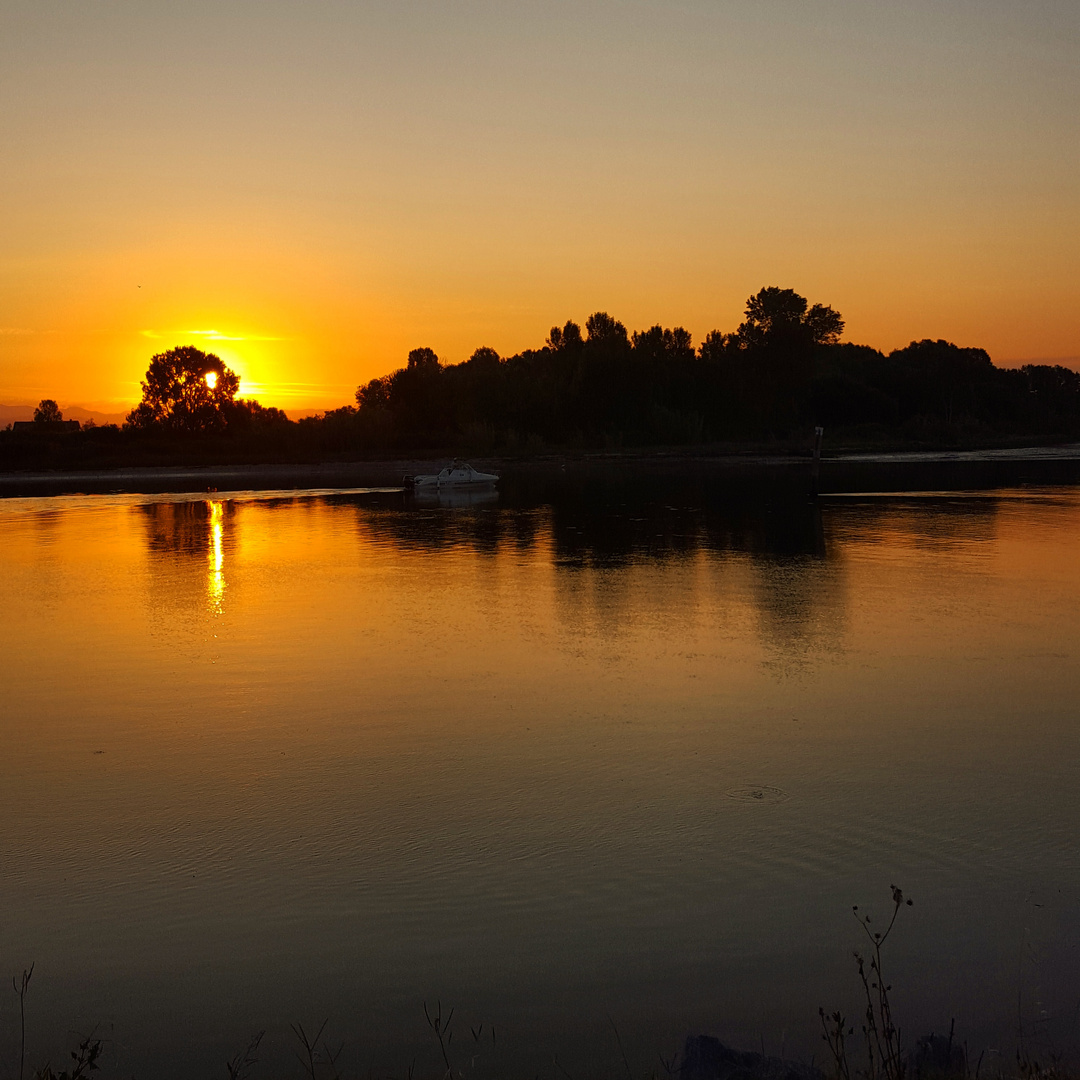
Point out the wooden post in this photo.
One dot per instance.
(815, 471)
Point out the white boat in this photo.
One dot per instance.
(458, 474)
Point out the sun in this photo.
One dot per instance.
(211, 379)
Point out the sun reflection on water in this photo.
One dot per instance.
(215, 577)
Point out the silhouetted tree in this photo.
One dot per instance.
(411, 398)
(939, 379)
(603, 329)
(662, 345)
(566, 338)
(374, 394)
(485, 357)
(185, 390)
(777, 348)
(779, 318)
(246, 413)
(824, 325)
(847, 388)
(783, 370)
(666, 365)
(423, 360)
(48, 412)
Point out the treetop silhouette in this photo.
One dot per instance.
(48, 412)
(602, 328)
(185, 390)
(777, 318)
(423, 360)
(780, 372)
(565, 338)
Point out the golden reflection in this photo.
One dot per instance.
(215, 577)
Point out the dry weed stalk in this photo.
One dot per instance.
(311, 1057)
(240, 1066)
(885, 1059)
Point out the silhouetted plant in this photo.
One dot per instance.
(314, 1057)
(21, 985)
(622, 1052)
(85, 1061)
(1029, 1066)
(885, 1059)
(443, 1032)
(835, 1031)
(239, 1067)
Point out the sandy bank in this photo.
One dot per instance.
(355, 474)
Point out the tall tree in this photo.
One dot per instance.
(780, 318)
(48, 412)
(566, 338)
(423, 360)
(185, 390)
(602, 328)
(486, 358)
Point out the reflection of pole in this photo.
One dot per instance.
(815, 470)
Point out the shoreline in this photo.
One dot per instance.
(389, 472)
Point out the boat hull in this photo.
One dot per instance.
(458, 476)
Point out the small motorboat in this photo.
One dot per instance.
(458, 474)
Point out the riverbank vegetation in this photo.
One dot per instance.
(768, 383)
(869, 1046)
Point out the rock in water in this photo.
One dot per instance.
(706, 1058)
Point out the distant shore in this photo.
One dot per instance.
(1063, 461)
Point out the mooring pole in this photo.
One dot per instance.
(815, 471)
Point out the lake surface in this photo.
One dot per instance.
(569, 761)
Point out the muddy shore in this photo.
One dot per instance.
(897, 470)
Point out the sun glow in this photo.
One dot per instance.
(211, 379)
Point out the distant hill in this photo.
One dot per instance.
(10, 413)
(77, 412)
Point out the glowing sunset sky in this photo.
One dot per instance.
(311, 189)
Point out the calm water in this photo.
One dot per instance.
(551, 760)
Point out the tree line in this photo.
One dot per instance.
(781, 372)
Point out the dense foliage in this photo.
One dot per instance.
(780, 373)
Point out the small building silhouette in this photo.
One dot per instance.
(46, 427)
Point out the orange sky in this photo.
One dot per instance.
(310, 190)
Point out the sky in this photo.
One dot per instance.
(310, 189)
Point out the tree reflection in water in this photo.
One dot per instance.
(650, 553)
(187, 542)
(710, 543)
